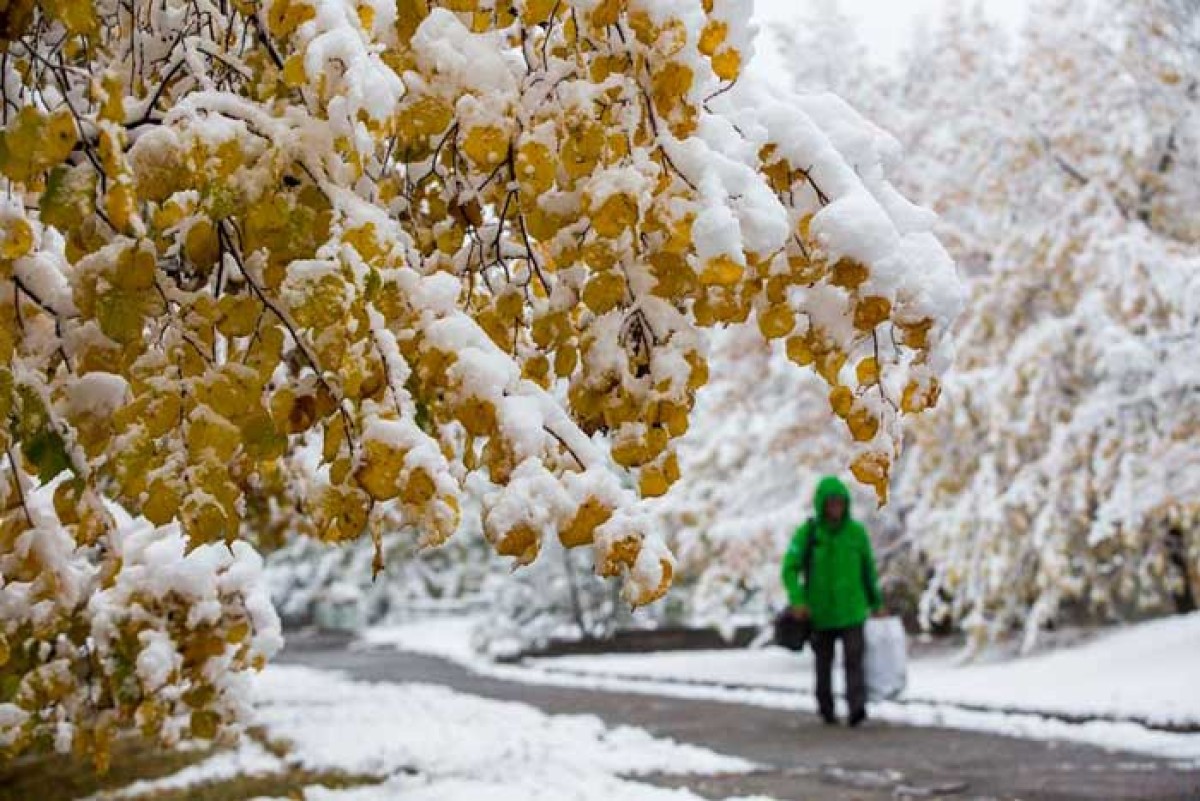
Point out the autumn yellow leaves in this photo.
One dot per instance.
(555, 202)
(336, 264)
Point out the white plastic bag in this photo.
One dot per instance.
(886, 662)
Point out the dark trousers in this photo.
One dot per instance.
(853, 646)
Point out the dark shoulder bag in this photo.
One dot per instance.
(790, 631)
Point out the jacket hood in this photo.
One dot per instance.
(829, 487)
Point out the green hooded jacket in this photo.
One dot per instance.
(842, 587)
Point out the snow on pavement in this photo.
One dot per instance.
(1140, 674)
(430, 742)
(1148, 673)
(361, 727)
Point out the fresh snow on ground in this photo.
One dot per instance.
(427, 742)
(449, 637)
(1148, 673)
(1112, 685)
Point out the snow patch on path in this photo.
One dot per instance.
(430, 743)
(1145, 673)
(381, 729)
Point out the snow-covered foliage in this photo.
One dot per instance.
(1064, 165)
(1064, 467)
(1064, 471)
(316, 266)
(759, 443)
(181, 622)
(760, 439)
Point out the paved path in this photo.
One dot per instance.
(804, 760)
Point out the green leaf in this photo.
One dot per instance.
(41, 444)
(121, 315)
(6, 395)
(9, 684)
(69, 197)
(260, 439)
(373, 284)
(47, 451)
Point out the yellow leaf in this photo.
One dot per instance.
(727, 63)
(721, 271)
(33, 143)
(379, 469)
(867, 371)
(671, 83)
(565, 360)
(208, 433)
(618, 213)
(776, 321)
(862, 424)
(919, 396)
(581, 150)
(872, 468)
(121, 315)
(430, 115)
(521, 542)
(604, 292)
(419, 488)
(486, 145)
(294, 74)
(848, 274)
(239, 313)
(285, 16)
(841, 399)
(535, 168)
(118, 204)
(652, 482)
(581, 529)
(713, 36)
(477, 416)
(162, 502)
(17, 237)
(77, 16)
(607, 12)
(871, 311)
(915, 334)
(536, 11)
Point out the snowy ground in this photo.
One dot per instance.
(1135, 689)
(428, 743)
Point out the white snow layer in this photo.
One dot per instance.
(1110, 692)
(427, 742)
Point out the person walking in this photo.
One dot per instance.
(829, 573)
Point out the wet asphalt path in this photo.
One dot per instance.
(804, 760)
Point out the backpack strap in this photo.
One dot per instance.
(807, 557)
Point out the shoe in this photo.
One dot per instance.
(858, 717)
(829, 718)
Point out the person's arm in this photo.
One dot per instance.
(797, 596)
(870, 576)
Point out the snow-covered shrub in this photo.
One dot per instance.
(162, 637)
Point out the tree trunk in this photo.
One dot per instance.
(1185, 597)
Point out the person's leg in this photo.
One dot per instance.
(822, 645)
(853, 650)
